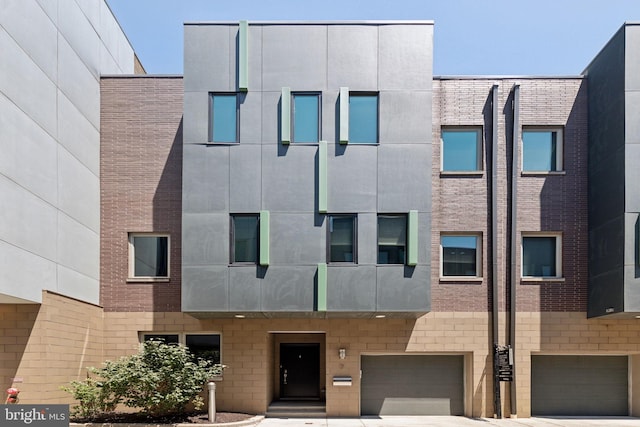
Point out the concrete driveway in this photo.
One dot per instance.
(445, 421)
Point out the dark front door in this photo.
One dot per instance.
(299, 371)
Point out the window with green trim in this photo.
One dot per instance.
(363, 118)
(244, 238)
(224, 118)
(392, 239)
(305, 113)
(342, 238)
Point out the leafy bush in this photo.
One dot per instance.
(161, 380)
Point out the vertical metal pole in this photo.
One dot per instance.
(212, 401)
(494, 248)
(514, 242)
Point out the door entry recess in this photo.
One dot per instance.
(299, 371)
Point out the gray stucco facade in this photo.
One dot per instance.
(614, 180)
(50, 138)
(260, 173)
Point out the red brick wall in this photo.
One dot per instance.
(557, 203)
(140, 185)
(544, 203)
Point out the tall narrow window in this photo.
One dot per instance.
(342, 238)
(541, 150)
(461, 150)
(541, 256)
(460, 255)
(306, 117)
(363, 118)
(224, 117)
(392, 239)
(149, 256)
(244, 238)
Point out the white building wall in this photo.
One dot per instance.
(53, 53)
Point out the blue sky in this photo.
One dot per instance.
(471, 37)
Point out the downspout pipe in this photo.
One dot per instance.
(514, 242)
(493, 213)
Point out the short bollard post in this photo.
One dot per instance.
(212, 401)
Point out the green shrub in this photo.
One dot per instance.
(161, 380)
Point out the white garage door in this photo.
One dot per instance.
(412, 385)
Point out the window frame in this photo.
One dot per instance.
(558, 255)
(354, 250)
(131, 277)
(406, 238)
(210, 138)
(232, 242)
(559, 155)
(356, 94)
(479, 258)
(182, 337)
(479, 149)
(318, 96)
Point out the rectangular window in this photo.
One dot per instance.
(392, 239)
(224, 118)
(165, 338)
(244, 239)
(541, 150)
(342, 238)
(461, 149)
(363, 118)
(541, 255)
(202, 345)
(306, 117)
(148, 256)
(461, 255)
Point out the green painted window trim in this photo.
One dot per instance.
(264, 237)
(322, 287)
(285, 116)
(344, 115)
(412, 239)
(243, 57)
(322, 176)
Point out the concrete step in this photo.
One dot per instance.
(296, 409)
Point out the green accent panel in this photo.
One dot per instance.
(243, 57)
(322, 286)
(285, 116)
(344, 115)
(412, 238)
(322, 176)
(264, 237)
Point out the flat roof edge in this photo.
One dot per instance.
(373, 22)
(141, 76)
(510, 77)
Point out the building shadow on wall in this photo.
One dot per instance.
(564, 213)
(167, 218)
(16, 327)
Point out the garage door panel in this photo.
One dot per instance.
(412, 385)
(579, 385)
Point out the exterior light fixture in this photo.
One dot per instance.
(380, 316)
(239, 316)
(342, 353)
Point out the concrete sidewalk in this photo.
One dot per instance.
(444, 421)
